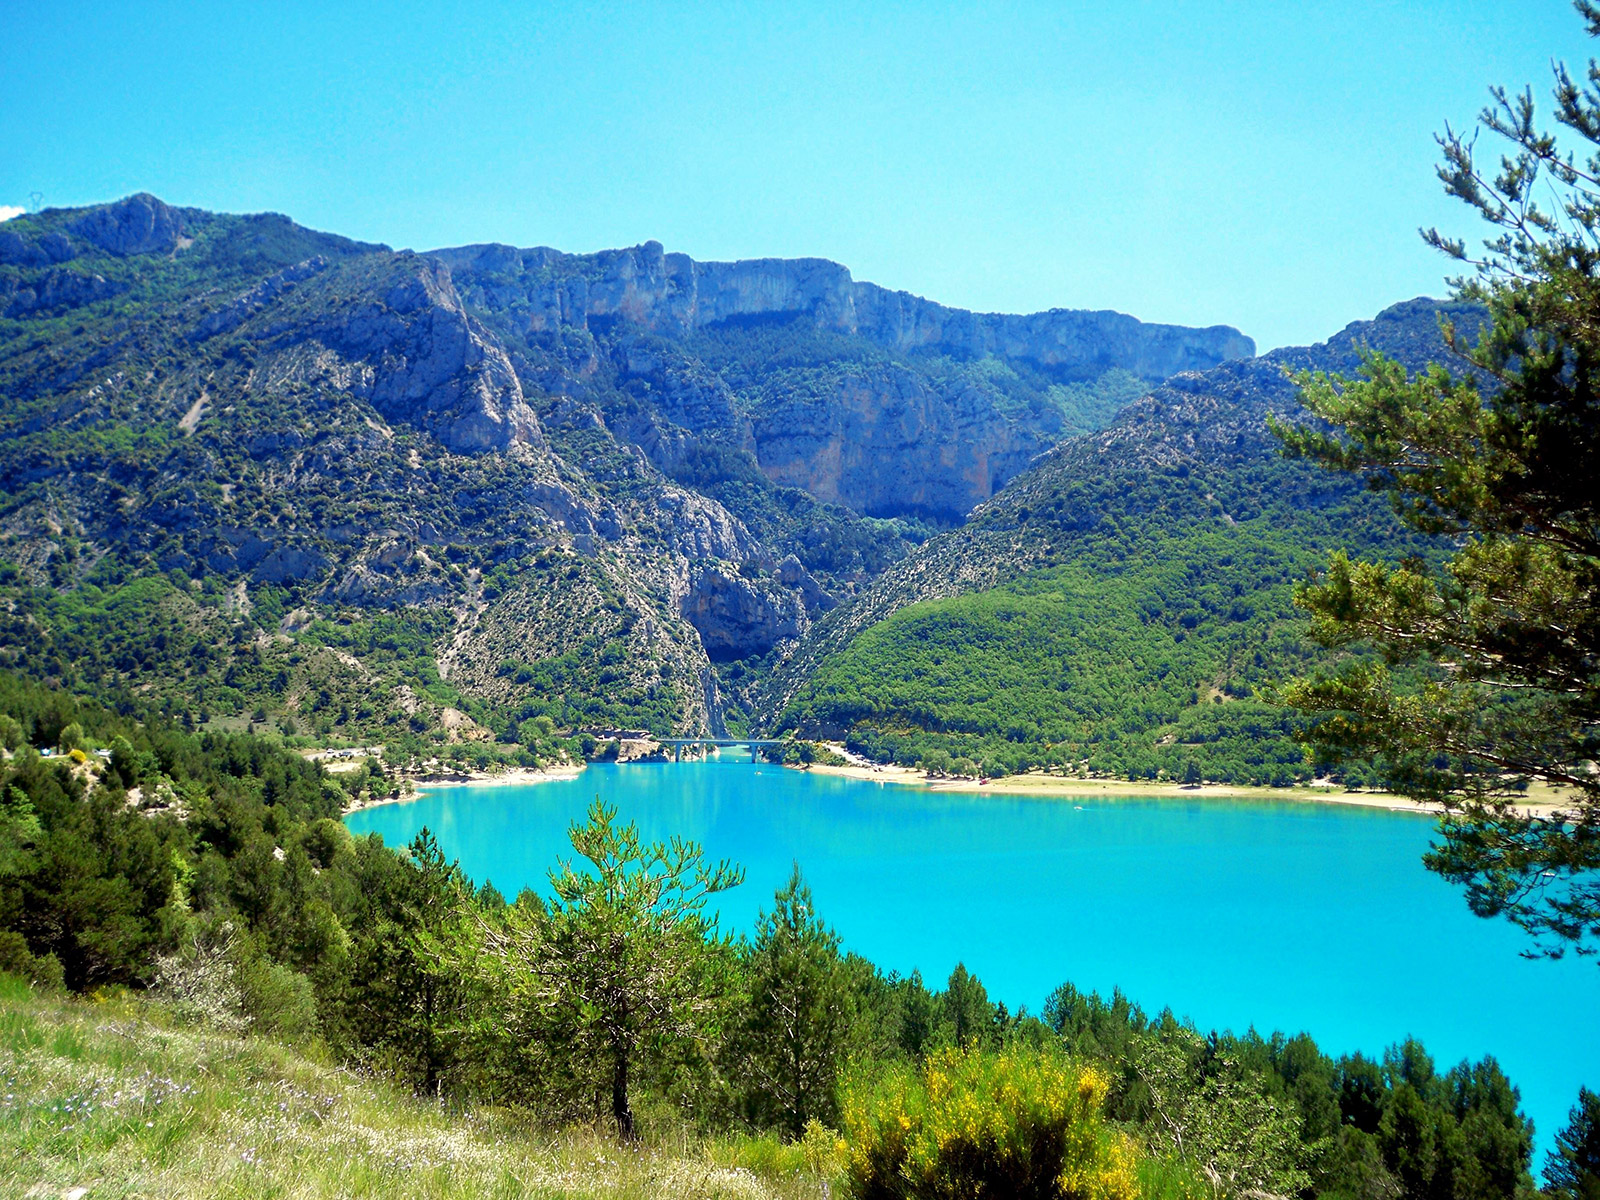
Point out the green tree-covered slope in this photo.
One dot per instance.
(1116, 607)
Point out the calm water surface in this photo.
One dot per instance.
(1280, 915)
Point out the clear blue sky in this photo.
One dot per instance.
(1261, 164)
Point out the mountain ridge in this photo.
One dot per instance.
(660, 289)
(606, 489)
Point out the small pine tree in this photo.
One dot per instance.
(622, 963)
(799, 1017)
(1572, 1171)
(918, 1013)
(967, 1010)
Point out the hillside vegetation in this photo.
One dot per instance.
(1134, 672)
(111, 1095)
(1124, 606)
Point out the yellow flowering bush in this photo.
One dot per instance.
(1018, 1123)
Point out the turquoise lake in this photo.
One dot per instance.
(1280, 915)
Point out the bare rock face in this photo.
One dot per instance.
(448, 371)
(1076, 343)
(16, 250)
(584, 520)
(140, 224)
(266, 560)
(885, 442)
(792, 574)
(699, 528)
(736, 617)
(431, 365)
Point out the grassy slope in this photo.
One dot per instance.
(110, 1097)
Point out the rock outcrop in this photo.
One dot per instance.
(58, 288)
(401, 340)
(737, 617)
(19, 251)
(699, 528)
(886, 442)
(792, 574)
(139, 224)
(436, 367)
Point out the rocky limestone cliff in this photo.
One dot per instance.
(139, 224)
(433, 361)
(884, 441)
(882, 427)
(737, 617)
(400, 338)
(57, 289)
(672, 293)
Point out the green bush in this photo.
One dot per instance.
(1018, 1123)
(279, 1002)
(42, 971)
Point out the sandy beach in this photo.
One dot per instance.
(1540, 800)
(510, 777)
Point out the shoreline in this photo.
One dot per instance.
(1035, 785)
(514, 776)
(1066, 788)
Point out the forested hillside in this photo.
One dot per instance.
(1118, 606)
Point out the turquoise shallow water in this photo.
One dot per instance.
(1280, 915)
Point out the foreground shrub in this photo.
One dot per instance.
(279, 1002)
(200, 982)
(1019, 1123)
(42, 971)
(216, 978)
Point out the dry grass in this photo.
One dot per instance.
(113, 1098)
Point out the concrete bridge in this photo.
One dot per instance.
(698, 747)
